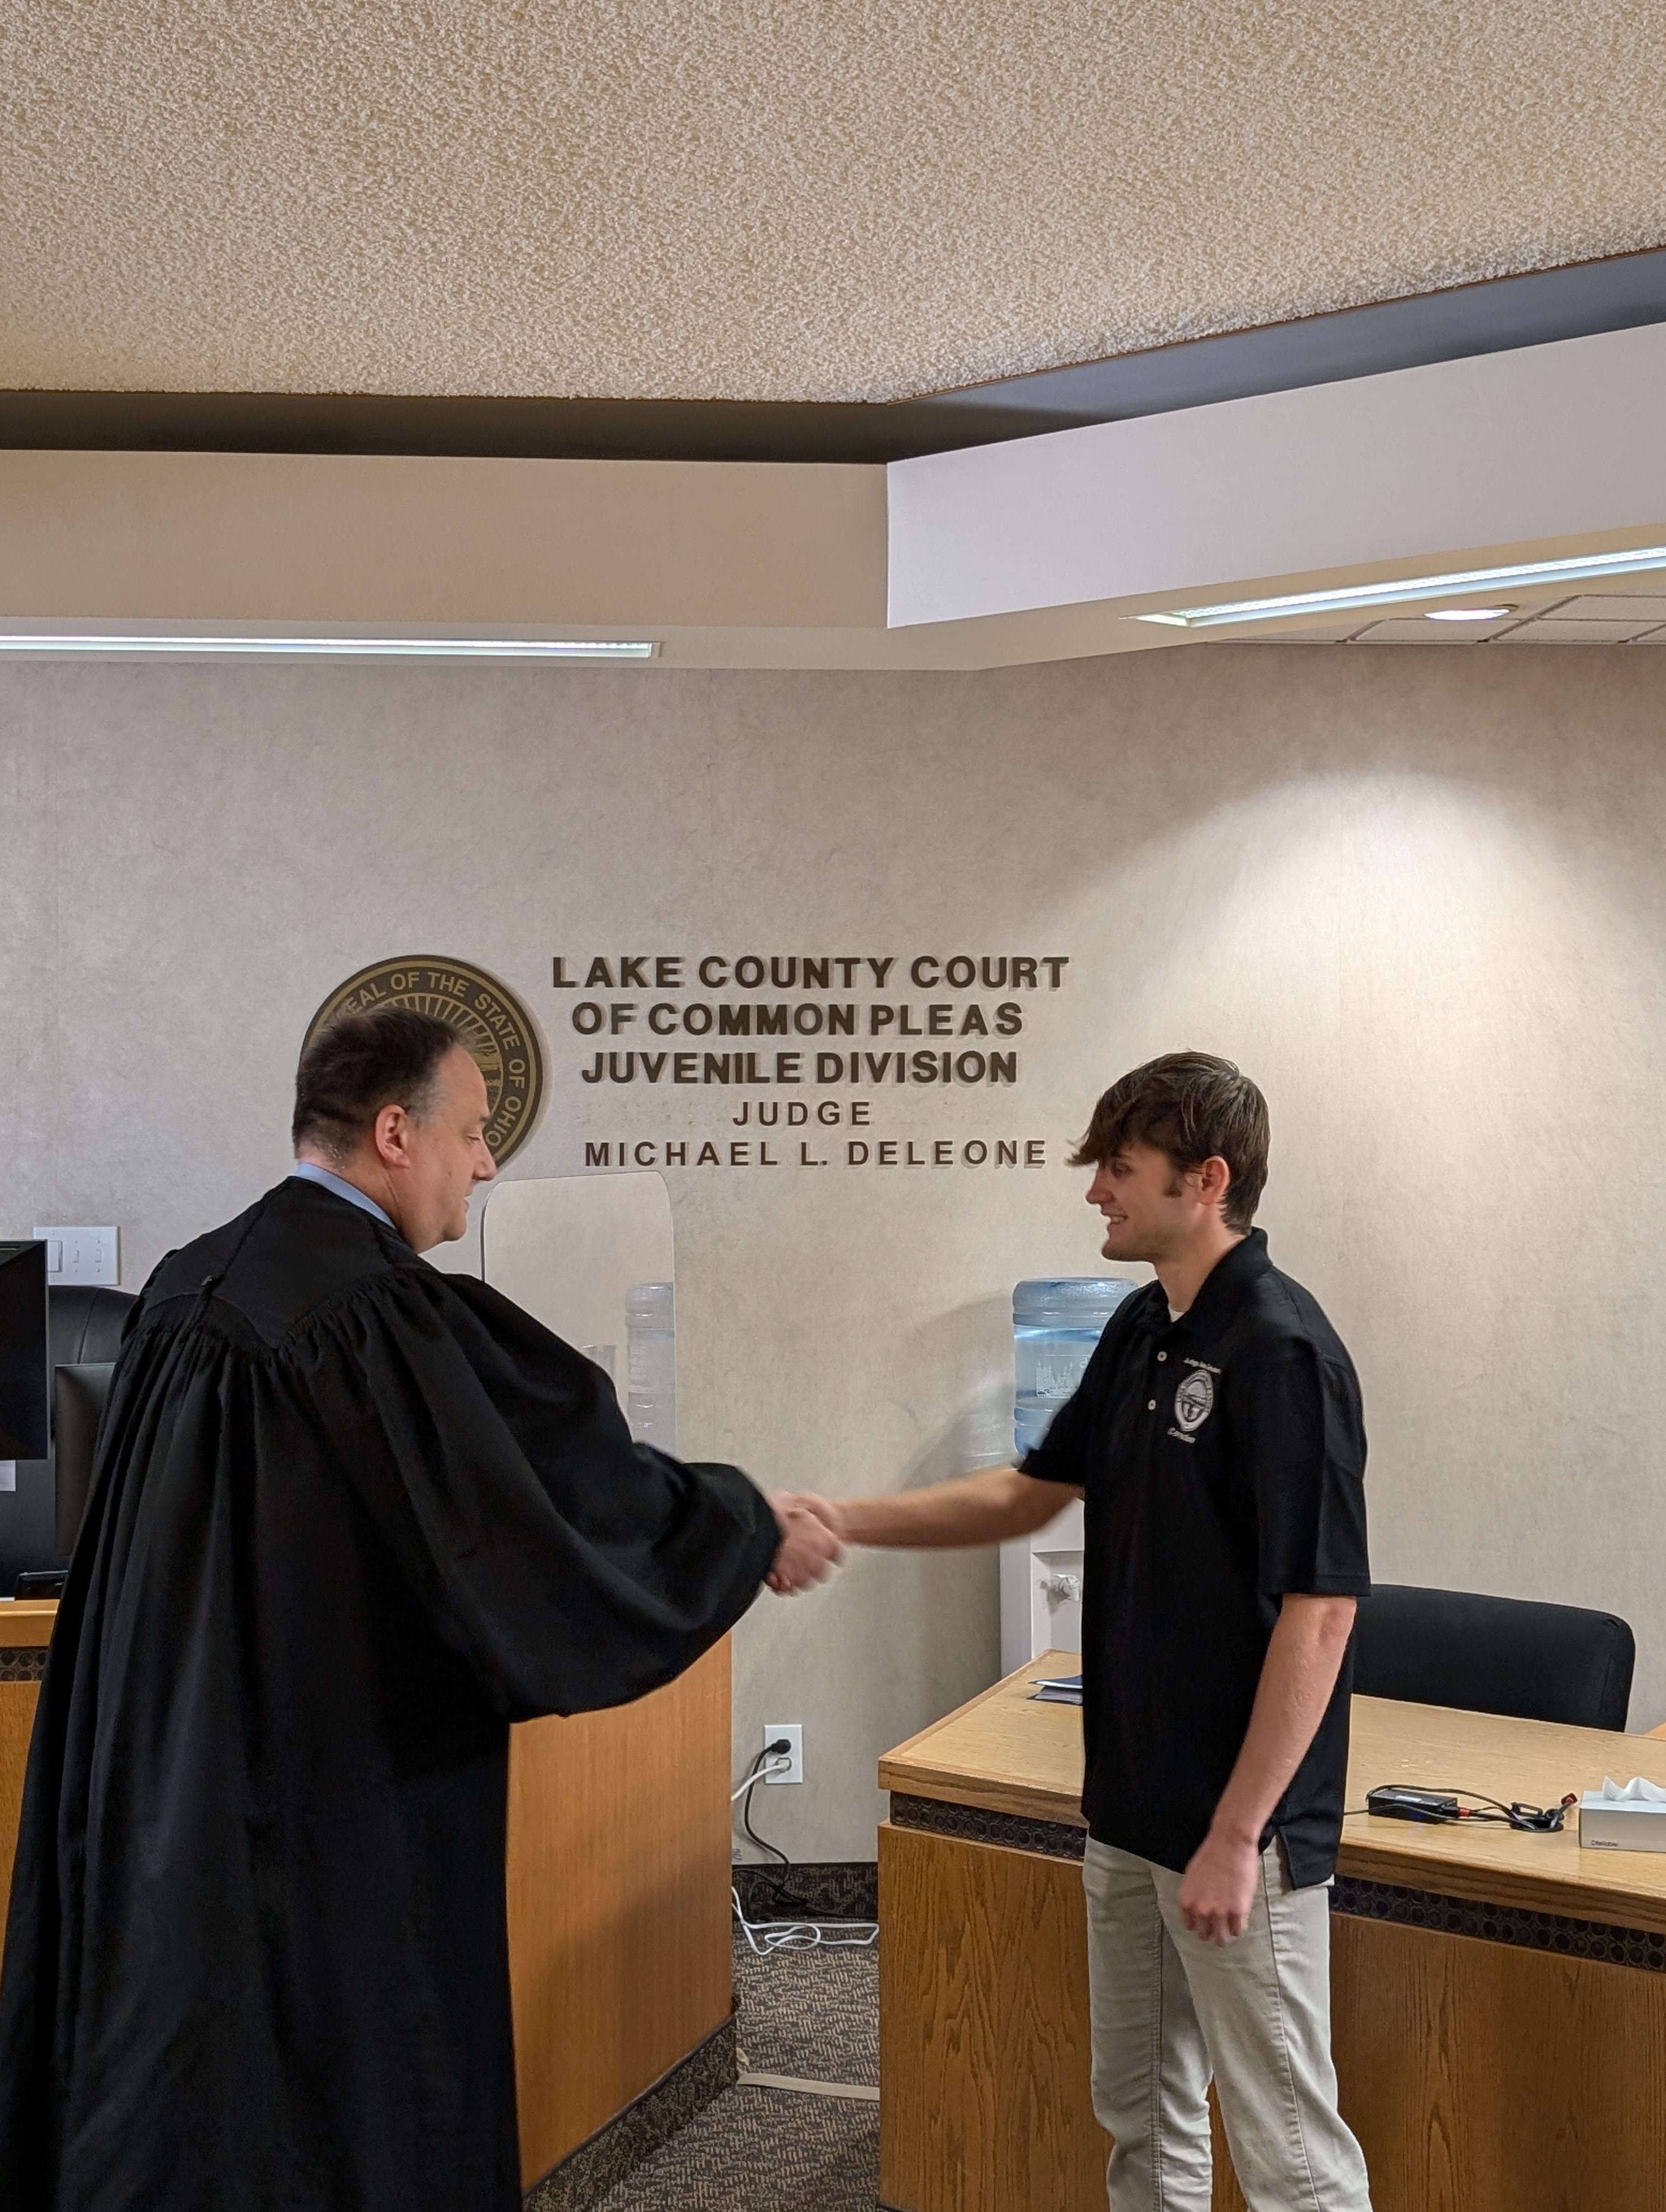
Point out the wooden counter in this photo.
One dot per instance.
(26, 1629)
(26, 1623)
(617, 1885)
(1499, 1999)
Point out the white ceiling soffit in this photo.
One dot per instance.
(830, 200)
(1044, 549)
(1465, 463)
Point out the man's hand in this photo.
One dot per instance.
(1220, 1886)
(820, 1509)
(1304, 1657)
(978, 1509)
(808, 1547)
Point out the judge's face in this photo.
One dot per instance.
(438, 1161)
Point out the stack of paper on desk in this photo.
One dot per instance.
(1058, 1690)
(1632, 1819)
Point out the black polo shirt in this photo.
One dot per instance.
(1223, 1457)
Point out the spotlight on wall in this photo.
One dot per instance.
(1463, 583)
(328, 648)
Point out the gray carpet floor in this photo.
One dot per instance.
(811, 2013)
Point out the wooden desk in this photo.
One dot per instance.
(617, 1884)
(1499, 1999)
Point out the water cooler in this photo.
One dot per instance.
(1056, 1322)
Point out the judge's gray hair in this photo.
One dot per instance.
(361, 1062)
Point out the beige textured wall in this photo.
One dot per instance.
(1419, 894)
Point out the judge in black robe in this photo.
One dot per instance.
(352, 1516)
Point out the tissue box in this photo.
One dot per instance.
(1629, 1819)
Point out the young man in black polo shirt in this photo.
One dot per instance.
(1218, 1441)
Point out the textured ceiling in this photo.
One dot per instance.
(778, 199)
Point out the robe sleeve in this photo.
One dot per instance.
(568, 1567)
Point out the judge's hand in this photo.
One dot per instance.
(1219, 1890)
(831, 1516)
(808, 1547)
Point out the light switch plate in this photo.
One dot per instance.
(81, 1255)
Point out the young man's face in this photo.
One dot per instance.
(1150, 1209)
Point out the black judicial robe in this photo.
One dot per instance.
(352, 1516)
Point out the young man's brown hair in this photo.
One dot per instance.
(1195, 1108)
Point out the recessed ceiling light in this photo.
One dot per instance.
(1459, 583)
(335, 649)
(1468, 614)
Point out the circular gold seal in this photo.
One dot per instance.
(488, 1018)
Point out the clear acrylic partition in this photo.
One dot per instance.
(572, 1250)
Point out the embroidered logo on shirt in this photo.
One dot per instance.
(1195, 1400)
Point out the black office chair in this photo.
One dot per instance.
(85, 1322)
(1494, 1655)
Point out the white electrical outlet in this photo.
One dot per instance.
(794, 1732)
(81, 1256)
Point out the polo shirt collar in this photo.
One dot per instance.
(1222, 1291)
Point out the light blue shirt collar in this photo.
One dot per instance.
(309, 1171)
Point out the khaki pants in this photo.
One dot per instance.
(1171, 2011)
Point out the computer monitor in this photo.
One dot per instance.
(78, 1394)
(25, 1378)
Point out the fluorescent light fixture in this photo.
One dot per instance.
(1468, 614)
(335, 648)
(1459, 584)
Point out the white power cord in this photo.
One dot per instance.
(765, 1937)
(779, 1759)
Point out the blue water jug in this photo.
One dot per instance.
(1057, 1322)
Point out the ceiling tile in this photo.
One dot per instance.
(1309, 634)
(1634, 607)
(1555, 631)
(1418, 629)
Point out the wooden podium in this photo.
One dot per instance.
(617, 1885)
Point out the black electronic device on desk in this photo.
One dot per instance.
(79, 1392)
(1438, 1809)
(83, 1327)
(24, 1359)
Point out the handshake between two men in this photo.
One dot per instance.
(984, 1508)
(809, 1545)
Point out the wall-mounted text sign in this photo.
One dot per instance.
(671, 1019)
(786, 1023)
